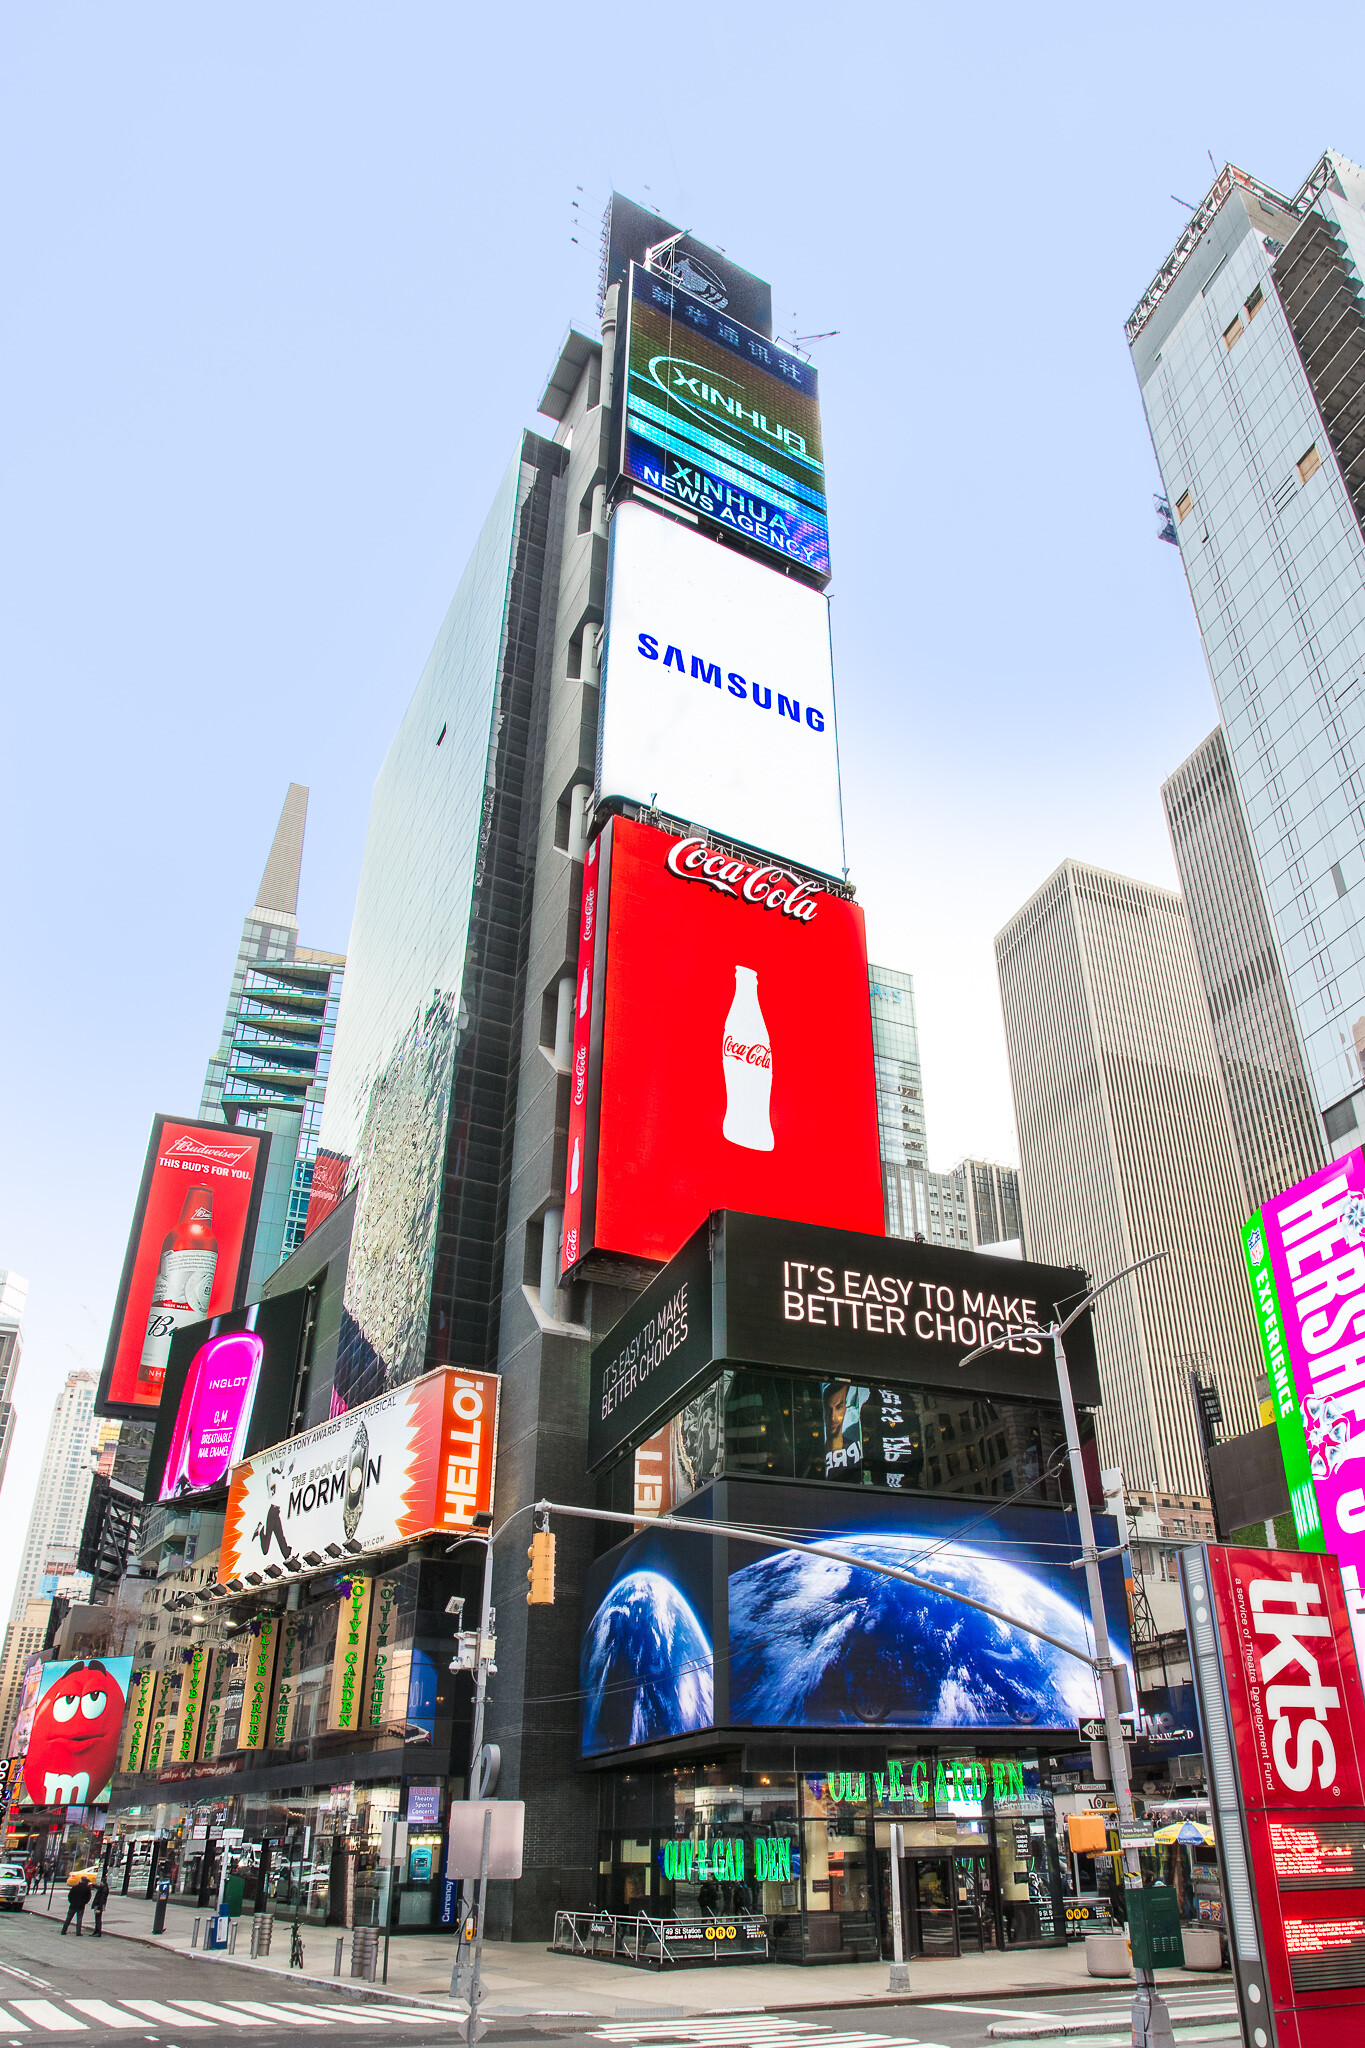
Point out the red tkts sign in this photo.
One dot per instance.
(722, 1049)
(1297, 1721)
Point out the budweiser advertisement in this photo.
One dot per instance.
(189, 1252)
(416, 1462)
(1284, 1742)
(722, 1049)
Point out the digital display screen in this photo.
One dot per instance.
(1315, 1856)
(228, 1393)
(188, 1253)
(725, 423)
(73, 1745)
(1326, 1955)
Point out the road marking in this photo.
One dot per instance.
(13, 1970)
(999, 2012)
(273, 2012)
(164, 2015)
(22, 2025)
(338, 2012)
(43, 2013)
(211, 2011)
(100, 2009)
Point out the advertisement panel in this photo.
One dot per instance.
(708, 274)
(228, 1392)
(189, 1251)
(193, 1692)
(724, 423)
(73, 1746)
(138, 1722)
(1284, 1721)
(865, 1314)
(900, 1658)
(1305, 1254)
(258, 1682)
(727, 1051)
(346, 1697)
(717, 700)
(412, 1463)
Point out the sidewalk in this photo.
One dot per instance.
(523, 1978)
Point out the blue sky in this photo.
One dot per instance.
(284, 284)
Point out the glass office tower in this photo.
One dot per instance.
(1249, 348)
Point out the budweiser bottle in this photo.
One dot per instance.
(184, 1282)
(748, 1061)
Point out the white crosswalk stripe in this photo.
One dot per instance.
(45, 2015)
(41, 2012)
(745, 2033)
(222, 2014)
(165, 2015)
(104, 2014)
(273, 2012)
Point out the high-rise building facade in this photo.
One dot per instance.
(900, 1101)
(270, 1070)
(1249, 354)
(52, 1541)
(1274, 1119)
(13, 1296)
(1126, 1150)
(994, 1205)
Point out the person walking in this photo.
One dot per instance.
(99, 1900)
(77, 1899)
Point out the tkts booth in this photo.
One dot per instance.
(760, 1718)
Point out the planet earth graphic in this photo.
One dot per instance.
(646, 1668)
(816, 1643)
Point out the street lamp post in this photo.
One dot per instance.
(1151, 2021)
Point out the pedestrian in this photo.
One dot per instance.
(77, 1899)
(99, 1900)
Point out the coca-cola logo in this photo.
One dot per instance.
(589, 906)
(774, 888)
(749, 1055)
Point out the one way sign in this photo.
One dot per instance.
(1092, 1731)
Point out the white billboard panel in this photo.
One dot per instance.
(718, 692)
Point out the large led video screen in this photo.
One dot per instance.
(723, 1049)
(724, 423)
(73, 1745)
(814, 1643)
(228, 1393)
(189, 1251)
(717, 702)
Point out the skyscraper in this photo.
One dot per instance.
(994, 1204)
(13, 1296)
(1274, 1119)
(1126, 1150)
(270, 1070)
(900, 1100)
(1249, 349)
(55, 1524)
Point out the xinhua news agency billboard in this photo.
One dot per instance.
(722, 1049)
(1284, 1741)
(718, 692)
(724, 423)
(189, 1251)
(1305, 1254)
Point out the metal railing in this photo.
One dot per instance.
(657, 1944)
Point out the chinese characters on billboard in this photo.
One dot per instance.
(722, 1053)
(718, 692)
(1284, 1726)
(724, 422)
(189, 1252)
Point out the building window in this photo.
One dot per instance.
(1184, 505)
(1233, 331)
(1255, 303)
(1308, 464)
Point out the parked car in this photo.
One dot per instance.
(13, 1887)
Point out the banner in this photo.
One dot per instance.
(224, 1673)
(379, 1676)
(346, 1697)
(193, 1690)
(254, 1732)
(159, 1742)
(138, 1722)
(416, 1462)
(285, 1703)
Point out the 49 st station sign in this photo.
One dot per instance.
(837, 1304)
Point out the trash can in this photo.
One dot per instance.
(364, 1952)
(1106, 1955)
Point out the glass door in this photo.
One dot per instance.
(974, 1882)
(933, 1917)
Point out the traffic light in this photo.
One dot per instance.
(541, 1588)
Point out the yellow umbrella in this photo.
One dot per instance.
(1186, 1831)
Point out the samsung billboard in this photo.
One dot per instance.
(717, 700)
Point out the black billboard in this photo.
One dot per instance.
(837, 1304)
(708, 274)
(228, 1393)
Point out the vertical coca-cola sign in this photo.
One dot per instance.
(1284, 1742)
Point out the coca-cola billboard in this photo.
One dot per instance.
(189, 1251)
(1284, 1736)
(722, 1049)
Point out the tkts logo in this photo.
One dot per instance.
(774, 888)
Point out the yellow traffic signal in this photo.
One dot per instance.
(541, 1589)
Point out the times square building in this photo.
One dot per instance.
(603, 879)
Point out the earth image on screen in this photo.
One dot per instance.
(646, 1667)
(818, 1643)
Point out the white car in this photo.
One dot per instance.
(13, 1887)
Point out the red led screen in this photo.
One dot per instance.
(188, 1254)
(722, 1053)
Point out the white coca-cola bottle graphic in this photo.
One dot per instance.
(748, 1060)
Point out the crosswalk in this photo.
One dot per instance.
(749, 2030)
(182, 2015)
